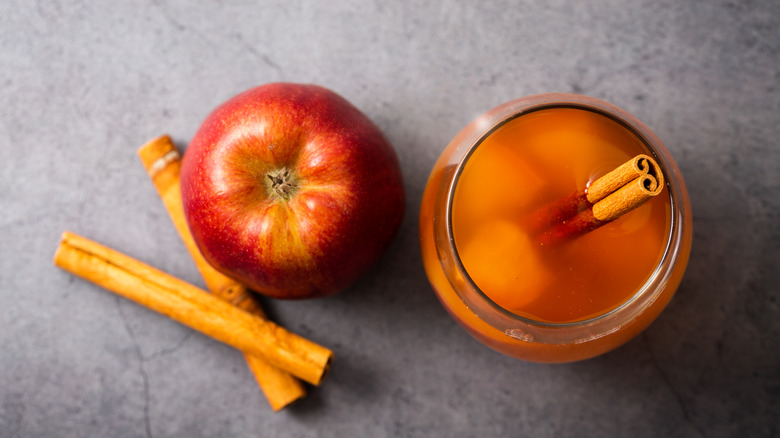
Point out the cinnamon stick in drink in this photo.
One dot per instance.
(192, 307)
(567, 207)
(627, 187)
(162, 162)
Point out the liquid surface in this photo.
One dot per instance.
(530, 161)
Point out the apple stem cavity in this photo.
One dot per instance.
(281, 184)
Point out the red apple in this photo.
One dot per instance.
(291, 190)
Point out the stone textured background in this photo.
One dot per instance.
(84, 84)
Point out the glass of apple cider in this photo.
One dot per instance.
(550, 303)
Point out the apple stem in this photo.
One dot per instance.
(281, 184)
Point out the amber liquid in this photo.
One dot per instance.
(529, 161)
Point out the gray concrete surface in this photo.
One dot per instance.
(83, 84)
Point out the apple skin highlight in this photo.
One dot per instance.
(291, 190)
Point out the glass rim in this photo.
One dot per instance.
(575, 102)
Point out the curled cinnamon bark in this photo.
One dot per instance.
(192, 307)
(162, 161)
(627, 187)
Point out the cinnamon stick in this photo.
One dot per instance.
(162, 162)
(567, 207)
(627, 187)
(192, 307)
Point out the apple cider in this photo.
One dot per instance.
(556, 302)
(526, 163)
